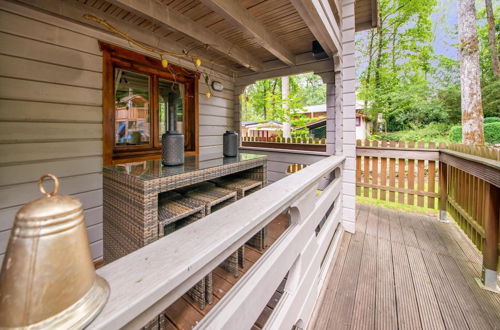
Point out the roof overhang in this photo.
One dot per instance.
(366, 14)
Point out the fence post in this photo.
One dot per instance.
(490, 251)
(443, 191)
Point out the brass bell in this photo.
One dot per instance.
(48, 279)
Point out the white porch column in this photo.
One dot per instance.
(238, 90)
(331, 136)
(348, 78)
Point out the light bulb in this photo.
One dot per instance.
(164, 63)
(197, 62)
(208, 95)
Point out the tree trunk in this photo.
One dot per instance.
(492, 39)
(378, 64)
(472, 108)
(285, 89)
(369, 68)
(393, 50)
(265, 102)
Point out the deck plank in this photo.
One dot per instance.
(372, 222)
(384, 231)
(340, 317)
(426, 299)
(469, 266)
(363, 316)
(395, 227)
(470, 307)
(323, 315)
(406, 271)
(362, 218)
(406, 299)
(385, 312)
(443, 289)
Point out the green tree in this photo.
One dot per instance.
(263, 100)
(397, 58)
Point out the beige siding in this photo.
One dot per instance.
(51, 115)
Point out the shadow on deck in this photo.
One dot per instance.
(406, 271)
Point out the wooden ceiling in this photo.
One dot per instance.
(278, 21)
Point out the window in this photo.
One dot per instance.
(358, 121)
(136, 95)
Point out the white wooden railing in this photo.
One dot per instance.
(147, 281)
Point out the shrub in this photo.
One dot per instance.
(491, 133)
(433, 132)
(491, 120)
(455, 134)
(419, 114)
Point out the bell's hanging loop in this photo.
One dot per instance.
(42, 188)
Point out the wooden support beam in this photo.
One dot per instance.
(443, 192)
(318, 16)
(234, 12)
(74, 11)
(163, 15)
(490, 252)
(374, 5)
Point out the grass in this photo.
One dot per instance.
(434, 132)
(398, 206)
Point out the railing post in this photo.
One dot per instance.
(443, 191)
(490, 251)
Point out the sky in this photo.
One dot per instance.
(445, 20)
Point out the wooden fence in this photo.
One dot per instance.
(405, 173)
(460, 179)
(306, 144)
(293, 140)
(470, 193)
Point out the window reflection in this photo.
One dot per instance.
(132, 110)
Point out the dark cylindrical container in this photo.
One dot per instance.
(230, 144)
(172, 148)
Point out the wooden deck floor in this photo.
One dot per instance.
(405, 271)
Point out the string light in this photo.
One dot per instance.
(164, 62)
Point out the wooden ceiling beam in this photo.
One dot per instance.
(318, 15)
(74, 10)
(374, 6)
(163, 15)
(234, 12)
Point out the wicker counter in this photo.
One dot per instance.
(130, 197)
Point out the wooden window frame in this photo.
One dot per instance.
(117, 57)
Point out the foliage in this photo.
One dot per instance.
(413, 109)
(491, 98)
(397, 59)
(433, 132)
(456, 133)
(491, 132)
(449, 98)
(403, 79)
(263, 100)
(491, 120)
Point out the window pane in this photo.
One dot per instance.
(174, 92)
(132, 111)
